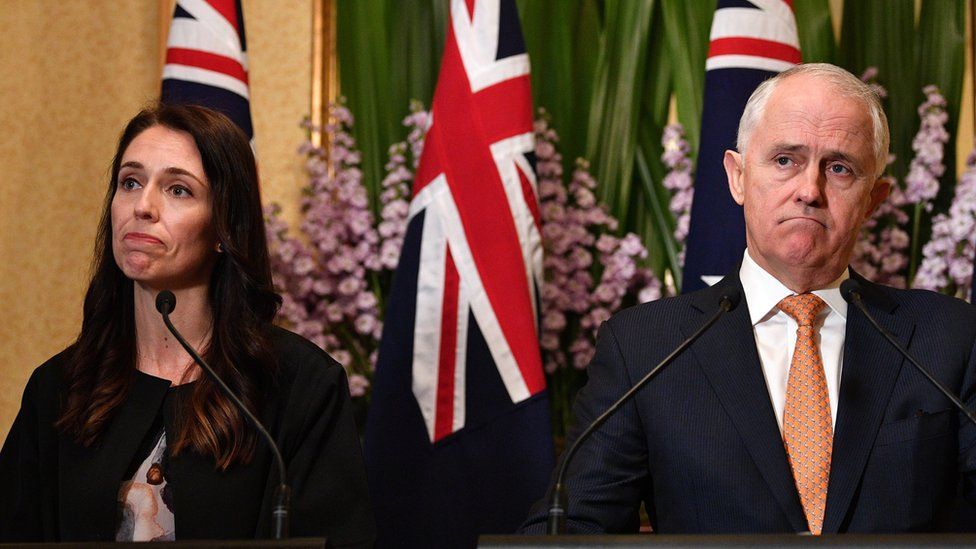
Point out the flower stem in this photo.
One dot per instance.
(916, 230)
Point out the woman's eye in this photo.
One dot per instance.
(180, 191)
(129, 184)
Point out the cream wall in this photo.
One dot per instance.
(72, 72)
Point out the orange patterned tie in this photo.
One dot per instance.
(807, 430)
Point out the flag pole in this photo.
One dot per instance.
(325, 69)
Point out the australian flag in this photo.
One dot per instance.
(751, 41)
(206, 59)
(458, 439)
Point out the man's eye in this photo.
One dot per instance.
(838, 169)
(783, 160)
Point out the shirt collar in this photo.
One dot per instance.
(763, 291)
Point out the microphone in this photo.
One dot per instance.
(851, 290)
(165, 304)
(556, 522)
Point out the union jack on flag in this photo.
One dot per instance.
(480, 248)
(751, 41)
(458, 429)
(206, 59)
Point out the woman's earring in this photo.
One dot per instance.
(220, 247)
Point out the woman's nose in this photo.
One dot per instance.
(146, 205)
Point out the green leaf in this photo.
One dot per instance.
(940, 58)
(366, 82)
(813, 24)
(563, 64)
(686, 28)
(549, 42)
(658, 227)
(882, 34)
(415, 52)
(613, 115)
(586, 55)
(650, 218)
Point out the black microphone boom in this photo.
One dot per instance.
(851, 291)
(556, 523)
(166, 304)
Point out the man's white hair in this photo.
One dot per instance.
(842, 81)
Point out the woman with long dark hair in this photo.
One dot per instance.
(121, 436)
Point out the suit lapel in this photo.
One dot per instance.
(727, 355)
(90, 477)
(871, 366)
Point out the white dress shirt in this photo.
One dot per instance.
(775, 332)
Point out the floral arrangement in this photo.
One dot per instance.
(677, 160)
(881, 254)
(590, 272)
(890, 250)
(947, 264)
(332, 281)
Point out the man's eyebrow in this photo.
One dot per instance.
(788, 147)
(831, 154)
(842, 156)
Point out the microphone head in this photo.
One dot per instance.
(731, 298)
(165, 302)
(849, 289)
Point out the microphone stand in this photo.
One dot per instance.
(849, 289)
(556, 522)
(165, 304)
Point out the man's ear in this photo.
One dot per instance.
(879, 192)
(733, 169)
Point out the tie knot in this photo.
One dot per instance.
(804, 308)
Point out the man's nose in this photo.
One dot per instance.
(810, 184)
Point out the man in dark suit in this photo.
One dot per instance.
(792, 414)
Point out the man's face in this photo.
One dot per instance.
(807, 182)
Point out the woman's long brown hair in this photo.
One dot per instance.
(101, 363)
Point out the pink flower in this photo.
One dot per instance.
(554, 320)
(606, 243)
(365, 324)
(349, 286)
(631, 245)
(358, 384)
(303, 265)
(366, 300)
(334, 313)
(342, 356)
(549, 341)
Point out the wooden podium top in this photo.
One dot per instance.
(294, 543)
(722, 541)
